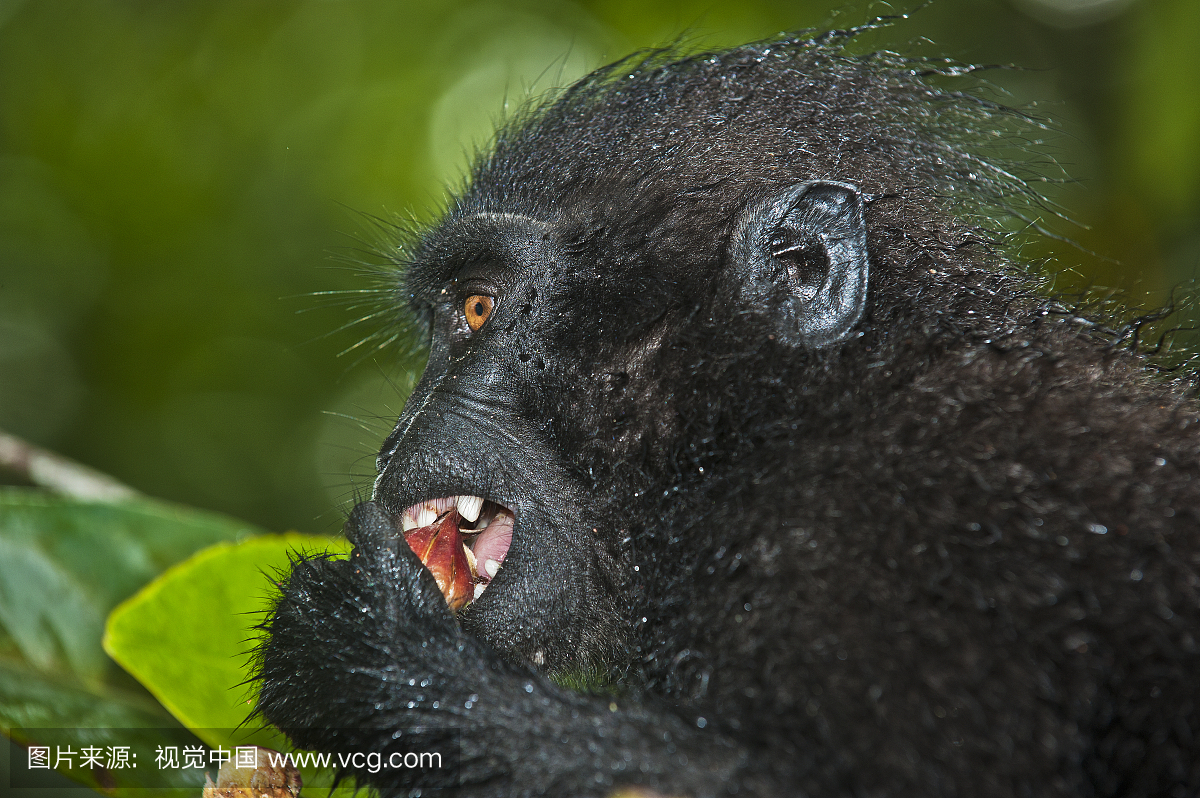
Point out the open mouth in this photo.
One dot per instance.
(462, 540)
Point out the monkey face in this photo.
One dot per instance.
(502, 469)
(478, 440)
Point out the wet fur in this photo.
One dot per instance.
(955, 555)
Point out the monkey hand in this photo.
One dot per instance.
(359, 646)
(363, 656)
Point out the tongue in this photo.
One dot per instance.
(440, 547)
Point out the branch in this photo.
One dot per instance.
(49, 470)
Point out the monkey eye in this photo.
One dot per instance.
(477, 309)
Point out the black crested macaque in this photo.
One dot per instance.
(752, 464)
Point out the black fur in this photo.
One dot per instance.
(956, 554)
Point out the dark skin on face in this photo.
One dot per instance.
(474, 426)
(769, 474)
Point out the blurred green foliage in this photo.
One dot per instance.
(64, 564)
(178, 179)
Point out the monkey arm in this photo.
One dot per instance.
(365, 647)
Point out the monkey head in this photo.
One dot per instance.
(514, 389)
(656, 217)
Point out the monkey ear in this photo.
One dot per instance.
(800, 255)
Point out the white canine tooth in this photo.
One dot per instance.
(479, 589)
(469, 507)
(491, 567)
(407, 523)
(426, 516)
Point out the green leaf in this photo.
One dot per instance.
(64, 563)
(187, 636)
(36, 708)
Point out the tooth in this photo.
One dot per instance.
(491, 567)
(425, 516)
(471, 561)
(407, 523)
(469, 507)
(479, 589)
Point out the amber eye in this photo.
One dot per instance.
(477, 309)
